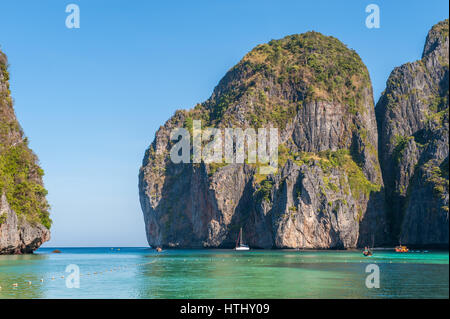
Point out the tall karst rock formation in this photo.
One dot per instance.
(24, 216)
(412, 116)
(328, 189)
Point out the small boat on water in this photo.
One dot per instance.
(367, 253)
(401, 249)
(240, 243)
(158, 249)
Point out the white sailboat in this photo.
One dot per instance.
(240, 243)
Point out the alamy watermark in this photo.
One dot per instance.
(226, 145)
(373, 19)
(373, 279)
(73, 19)
(73, 279)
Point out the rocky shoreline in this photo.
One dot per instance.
(18, 236)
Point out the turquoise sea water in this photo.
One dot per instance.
(144, 273)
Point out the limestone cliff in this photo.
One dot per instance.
(19, 236)
(327, 191)
(412, 116)
(24, 216)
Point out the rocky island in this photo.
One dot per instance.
(412, 117)
(24, 211)
(346, 177)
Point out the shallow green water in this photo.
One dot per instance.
(143, 273)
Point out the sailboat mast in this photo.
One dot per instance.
(237, 240)
(240, 237)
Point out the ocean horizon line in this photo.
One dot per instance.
(257, 249)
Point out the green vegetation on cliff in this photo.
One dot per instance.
(442, 28)
(321, 68)
(324, 65)
(438, 178)
(274, 82)
(20, 181)
(342, 160)
(264, 191)
(20, 174)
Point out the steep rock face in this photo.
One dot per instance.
(326, 191)
(412, 116)
(19, 237)
(24, 216)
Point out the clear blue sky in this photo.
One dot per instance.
(91, 99)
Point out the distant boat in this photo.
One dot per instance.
(367, 253)
(401, 249)
(240, 243)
